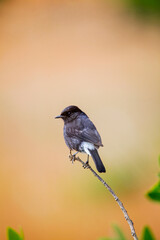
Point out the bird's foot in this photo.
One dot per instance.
(72, 156)
(86, 165)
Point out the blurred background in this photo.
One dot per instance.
(103, 56)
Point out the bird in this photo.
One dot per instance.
(81, 135)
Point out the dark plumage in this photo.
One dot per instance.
(81, 135)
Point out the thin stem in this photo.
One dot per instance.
(129, 221)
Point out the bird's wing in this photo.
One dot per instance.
(87, 132)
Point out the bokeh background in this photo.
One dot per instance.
(103, 56)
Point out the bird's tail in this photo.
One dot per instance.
(99, 165)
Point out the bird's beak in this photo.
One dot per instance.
(58, 117)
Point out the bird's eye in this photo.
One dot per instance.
(69, 113)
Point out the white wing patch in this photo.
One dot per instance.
(85, 146)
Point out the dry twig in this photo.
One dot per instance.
(129, 221)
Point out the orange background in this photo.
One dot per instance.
(96, 55)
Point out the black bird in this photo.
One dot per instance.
(81, 135)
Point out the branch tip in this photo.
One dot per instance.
(129, 221)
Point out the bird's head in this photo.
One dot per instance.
(69, 113)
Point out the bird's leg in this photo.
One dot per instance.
(86, 164)
(70, 151)
(72, 156)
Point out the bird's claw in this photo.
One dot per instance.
(85, 165)
(72, 156)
